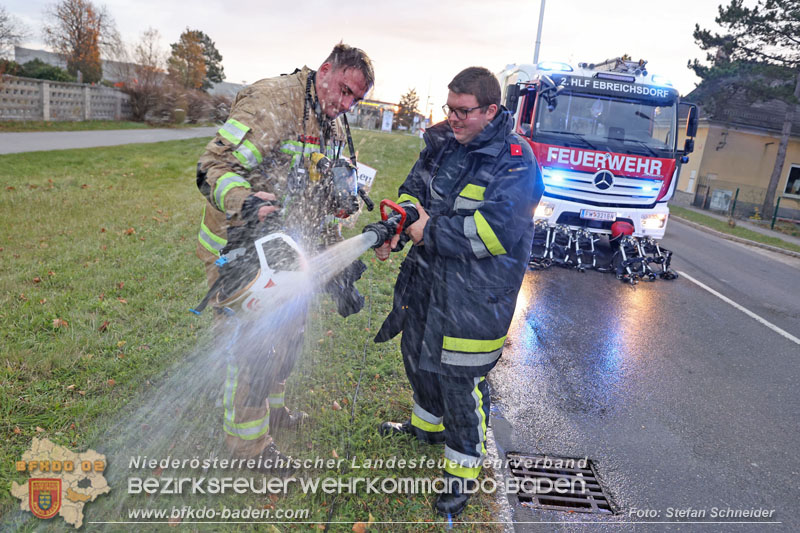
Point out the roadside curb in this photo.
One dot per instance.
(734, 238)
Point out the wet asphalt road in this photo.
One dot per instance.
(682, 401)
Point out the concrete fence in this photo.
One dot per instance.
(32, 99)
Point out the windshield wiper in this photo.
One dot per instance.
(578, 135)
(642, 143)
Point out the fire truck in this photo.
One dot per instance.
(605, 137)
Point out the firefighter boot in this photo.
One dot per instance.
(454, 499)
(272, 462)
(405, 428)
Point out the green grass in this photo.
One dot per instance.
(722, 226)
(106, 236)
(83, 125)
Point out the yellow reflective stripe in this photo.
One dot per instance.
(234, 131)
(211, 242)
(472, 345)
(473, 192)
(487, 235)
(226, 182)
(248, 155)
(417, 422)
(481, 414)
(249, 430)
(407, 198)
(276, 400)
(465, 472)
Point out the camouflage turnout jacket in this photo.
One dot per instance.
(254, 151)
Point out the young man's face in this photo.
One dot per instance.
(339, 89)
(469, 127)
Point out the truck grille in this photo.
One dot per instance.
(580, 187)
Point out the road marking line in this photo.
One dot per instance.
(744, 310)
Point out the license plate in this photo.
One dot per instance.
(591, 214)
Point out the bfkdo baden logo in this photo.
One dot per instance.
(44, 497)
(61, 481)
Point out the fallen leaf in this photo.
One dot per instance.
(9, 188)
(39, 430)
(33, 186)
(43, 301)
(329, 333)
(51, 273)
(82, 392)
(334, 454)
(371, 520)
(120, 284)
(84, 186)
(122, 300)
(120, 344)
(130, 231)
(22, 297)
(102, 295)
(359, 527)
(17, 430)
(158, 471)
(59, 323)
(173, 522)
(111, 382)
(104, 326)
(70, 387)
(336, 406)
(102, 230)
(273, 498)
(37, 279)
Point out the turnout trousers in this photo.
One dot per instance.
(456, 406)
(254, 383)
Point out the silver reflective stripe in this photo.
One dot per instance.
(209, 242)
(481, 416)
(235, 132)
(230, 389)
(426, 416)
(250, 161)
(466, 203)
(462, 459)
(224, 184)
(471, 232)
(470, 359)
(248, 433)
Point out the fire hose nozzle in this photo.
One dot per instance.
(391, 225)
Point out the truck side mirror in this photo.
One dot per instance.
(688, 146)
(692, 119)
(512, 98)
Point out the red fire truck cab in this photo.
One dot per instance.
(606, 140)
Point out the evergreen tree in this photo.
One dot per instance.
(758, 52)
(408, 108)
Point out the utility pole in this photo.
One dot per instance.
(539, 35)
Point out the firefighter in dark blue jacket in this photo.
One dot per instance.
(475, 187)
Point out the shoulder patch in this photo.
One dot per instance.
(516, 149)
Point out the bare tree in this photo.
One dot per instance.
(144, 74)
(12, 32)
(79, 31)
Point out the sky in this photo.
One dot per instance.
(415, 44)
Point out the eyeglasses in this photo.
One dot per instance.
(461, 113)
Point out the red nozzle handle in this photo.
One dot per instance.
(397, 209)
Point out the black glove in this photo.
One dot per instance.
(343, 291)
(251, 206)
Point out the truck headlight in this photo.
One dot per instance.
(654, 221)
(544, 210)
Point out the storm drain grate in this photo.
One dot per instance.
(557, 483)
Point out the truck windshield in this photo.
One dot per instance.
(609, 123)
